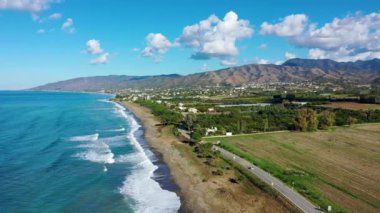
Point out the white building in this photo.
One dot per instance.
(228, 133)
(211, 130)
(182, 108)
(192, 110)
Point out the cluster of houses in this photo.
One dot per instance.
(182, 107)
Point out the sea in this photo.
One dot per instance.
(77, 152)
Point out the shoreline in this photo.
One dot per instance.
(162, 168)
(148, 127)
(199, 190)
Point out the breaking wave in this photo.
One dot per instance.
(140, 187)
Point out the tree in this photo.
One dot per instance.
(190, 120)
(306, 120)
(312, 120)
(326, 119)
(265, 124)
(301, 120)
(196, 136)
(351, 120)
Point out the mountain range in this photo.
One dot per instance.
(293, 70)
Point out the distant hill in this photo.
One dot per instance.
(293, 70)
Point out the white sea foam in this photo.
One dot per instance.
(132, 158)
(93, 137)
(104, 100)
(96, 150)
(104, 156)
(113, 130)
(146, 193)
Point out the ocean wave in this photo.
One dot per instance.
(146, 194)
(96, 149)
(93, 137)
(113, 130)
(132, 158)
(115, 141)
(105, 156)
(104, 100)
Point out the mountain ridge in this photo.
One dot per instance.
(293, 70)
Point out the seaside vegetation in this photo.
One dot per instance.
(251, 119)
(277, 118)
(166, 116)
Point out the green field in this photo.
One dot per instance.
(340, 167)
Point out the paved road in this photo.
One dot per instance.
(299, 201)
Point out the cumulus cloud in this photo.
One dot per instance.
(68, 26)
(350, 38)
(27, 5)
(228, 62)
(216, 38)
(257, 60)
(291, 25)
(41, 31)
(55, 16)
(261, 61)
(289, 55)
(354, 37)
(157, 45)
(102, 59)
(93, 47)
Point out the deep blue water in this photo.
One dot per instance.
(77, 152)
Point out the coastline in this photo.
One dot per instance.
(199, 190)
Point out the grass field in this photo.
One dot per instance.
(339, 167)
(351, 105)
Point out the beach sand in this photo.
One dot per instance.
(200, 191)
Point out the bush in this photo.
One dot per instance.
(217, 172)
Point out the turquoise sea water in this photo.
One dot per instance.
(77, 152)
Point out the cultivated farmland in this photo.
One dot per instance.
(340, 166)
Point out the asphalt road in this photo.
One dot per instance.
(298, 200)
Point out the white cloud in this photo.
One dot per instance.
(262, 46)
(41, 31)
(27, 5)
(157, 45)
(257, 60)
(354, 37)
(102, 59)
(228, 62)
(55, 16)
(342, 54)
(289, 55)
(291, 25)
(261, 61)
(68, 26)
(93, 47)
(350, 38)
(216, 38)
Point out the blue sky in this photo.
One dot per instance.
(141, 37)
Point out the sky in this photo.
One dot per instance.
(43, 41)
